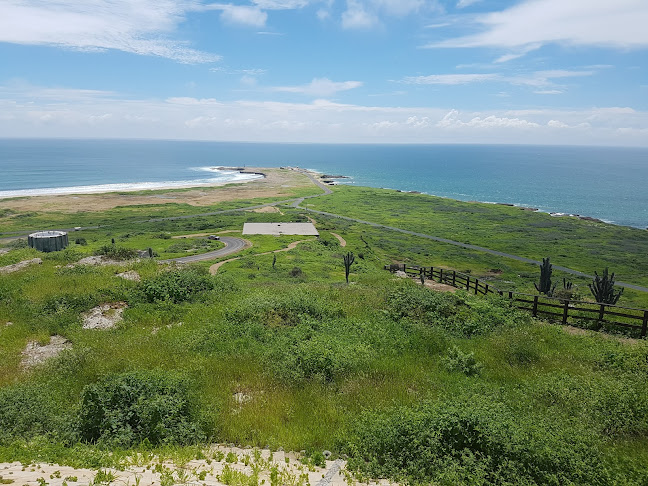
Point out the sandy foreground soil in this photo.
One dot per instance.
(277, 183)
(222, 465)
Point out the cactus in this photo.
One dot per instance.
(150, 252)
(567, 284)
(602, 288)
(545, 286)
(274, 260)
(422, 275)
(348, 261)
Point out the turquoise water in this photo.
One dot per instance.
(606, 183)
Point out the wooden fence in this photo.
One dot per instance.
(552, 308)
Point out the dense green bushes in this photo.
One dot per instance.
(472, 439)
(176, 285)
(27, 411)
(458, 313)
(124, 410)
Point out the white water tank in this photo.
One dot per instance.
(48, 240)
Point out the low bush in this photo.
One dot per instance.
(461, 314)
(127, 409)
(176, 285)
(321, 357)
(457, 360)
(27, 411)
(117, 252)
(471, 440)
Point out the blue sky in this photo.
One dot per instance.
(396, 71)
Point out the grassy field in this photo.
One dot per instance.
(410, 384)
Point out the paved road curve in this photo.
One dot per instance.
(232, 245)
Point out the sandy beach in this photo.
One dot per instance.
(276, 183)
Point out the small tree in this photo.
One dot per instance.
(602, 288)
(348, 261)
(544, 286)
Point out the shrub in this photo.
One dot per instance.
(321, 358)
(459, 313)
(126, 409)
(81, 241)
(176, 285)
(457, 360)
(471, 440)
(117, 252)
(27, 411)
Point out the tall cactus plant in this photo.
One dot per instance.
(602, 288)
(544, 286)
(348, 261)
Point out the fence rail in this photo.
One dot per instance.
(563, 310)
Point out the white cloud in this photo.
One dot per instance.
(320, 87)
(281, 4)
(95, 114)
(450, 79)
(618, 23)
(466, 3)
(357, 17)
(537, 79)
(549, 91)
(452, 120)
(241, 14)
(135, 26)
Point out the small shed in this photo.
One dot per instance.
(48, 240)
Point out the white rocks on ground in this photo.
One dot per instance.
(20, 265)
(130, 275)
(104, 316)
(35, 354)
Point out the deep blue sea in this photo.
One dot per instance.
(606, 183)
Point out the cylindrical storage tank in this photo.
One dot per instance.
(48, 240)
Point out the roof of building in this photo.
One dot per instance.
(277, 229)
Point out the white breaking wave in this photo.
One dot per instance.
(222, 177)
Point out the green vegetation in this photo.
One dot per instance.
(544, 286)
(276, 349)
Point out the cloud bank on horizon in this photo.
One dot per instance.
(399, 71)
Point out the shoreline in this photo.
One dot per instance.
(342, 180)
(139, 186)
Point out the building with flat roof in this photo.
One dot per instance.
(278, 229)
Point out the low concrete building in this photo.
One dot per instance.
(278, 229)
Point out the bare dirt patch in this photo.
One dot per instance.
(278, 183)
(104, 316)
(266, 209)
(95, 260)
(340, 239)
(20, 265)
(439, 287)
(35, 354)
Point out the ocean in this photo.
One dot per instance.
(605, 183)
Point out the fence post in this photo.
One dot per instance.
(476, 285)
(404, 268)
(454, 278)
(501, 293)
(535, 306)
(644, 327)
(440, 275)
(565, 312)
(467, 282)
(510, 295)
(486, 290)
